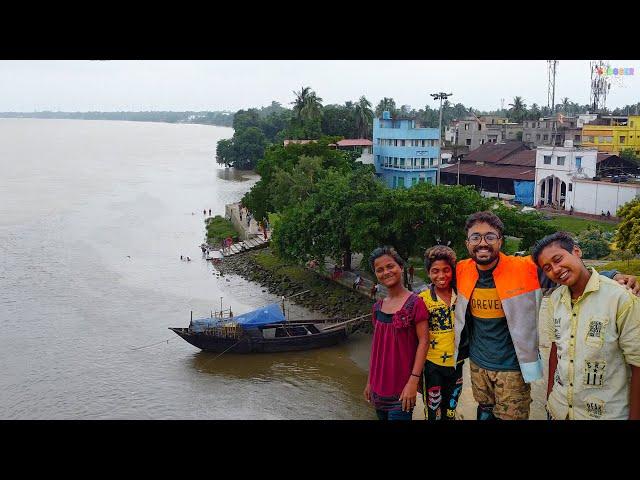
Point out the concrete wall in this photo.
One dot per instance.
(597, 197)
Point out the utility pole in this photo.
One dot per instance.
(440, 96)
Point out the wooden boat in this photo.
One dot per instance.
(266, 330)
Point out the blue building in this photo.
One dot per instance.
(404, 154)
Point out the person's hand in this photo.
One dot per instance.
(409, 393)
(630, 282)
(367, 393)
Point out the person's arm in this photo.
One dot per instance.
(410, 390)
(630, 282)
(553, 364)
(634, 400)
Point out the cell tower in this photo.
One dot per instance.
(600, 85)
(552, 68)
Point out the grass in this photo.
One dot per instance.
(219, 228)
(632, 267)
(575, 225)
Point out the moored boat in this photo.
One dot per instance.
(266, 330)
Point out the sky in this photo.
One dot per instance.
(180, 85)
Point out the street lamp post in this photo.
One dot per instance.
(440, 96)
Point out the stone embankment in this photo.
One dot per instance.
(285, 279)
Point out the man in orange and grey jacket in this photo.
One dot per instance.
(496, 316)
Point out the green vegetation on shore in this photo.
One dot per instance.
(572, 224)
(630, 267)
(219, 228)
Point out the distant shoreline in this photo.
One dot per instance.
(216, 119)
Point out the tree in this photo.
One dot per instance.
(225, 153)
(530, 227)
(565, 105)
(307, 108)
(628, 234)
(518, 109)
(364, 118)
(248, 148)
(339, 120)
(592, 244)
(319, 226)
(386, 104)
(534, 113)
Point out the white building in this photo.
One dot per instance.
(564, 179)
(557, 169)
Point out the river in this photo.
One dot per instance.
(94, 216)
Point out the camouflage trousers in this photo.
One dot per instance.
(505, 393)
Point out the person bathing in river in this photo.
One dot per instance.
(442, 376)
(400, 341)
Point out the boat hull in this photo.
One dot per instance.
(251, 344)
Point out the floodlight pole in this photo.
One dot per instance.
(440, 96)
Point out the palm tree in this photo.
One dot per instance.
(387, 104)
(307, 106)
(364, 117)
(518, 109)
(565, 105)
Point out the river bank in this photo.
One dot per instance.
(286, 279)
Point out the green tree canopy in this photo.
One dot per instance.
(628, 234)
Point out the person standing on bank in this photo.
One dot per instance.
(498, 301)
(400, 341)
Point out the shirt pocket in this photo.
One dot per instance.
(595, 331)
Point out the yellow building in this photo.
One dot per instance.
(613, 134)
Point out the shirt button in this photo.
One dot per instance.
(571, 384)
(571, 336)
(571, 361)
(574, 314)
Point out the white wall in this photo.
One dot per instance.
(597, 197)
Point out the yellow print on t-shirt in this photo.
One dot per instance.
(485, 303)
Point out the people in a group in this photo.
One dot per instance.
(400, 340)
(498, 301)
(594, 327)
(442, 376)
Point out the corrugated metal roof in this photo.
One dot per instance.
(493, 152)
(512, 172)
(526, 158)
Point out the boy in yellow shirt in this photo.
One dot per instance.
(442, 377)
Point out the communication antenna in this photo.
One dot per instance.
(600, 85)
(552, 69)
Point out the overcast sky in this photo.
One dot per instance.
(231, 85)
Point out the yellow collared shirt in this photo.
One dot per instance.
(597, 339)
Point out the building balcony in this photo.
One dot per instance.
(408, 167)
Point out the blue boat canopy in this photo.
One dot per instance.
(264, 315)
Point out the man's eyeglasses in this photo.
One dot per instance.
(490, 238)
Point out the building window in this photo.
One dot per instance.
(482, 141)
(414, 180)
(528, 136)
(402, 163)
(608, 139)
(560, 161)
(547, 159)
(395, 161)
(576, 138)
(537, 136)
(421, 180)
(395, 182)
(429, 180)
(545, 137)
(622, 139)
(591, 139)
(578, 163)
(400, 182)
(468, 141)
(422, 162)
(466, 126)
(479, 126)
(402, 143)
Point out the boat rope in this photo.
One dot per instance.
(153, 344)
(220, 354)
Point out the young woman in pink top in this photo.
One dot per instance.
(400, 341)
